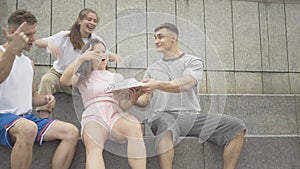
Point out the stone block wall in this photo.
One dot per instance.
(248, 46)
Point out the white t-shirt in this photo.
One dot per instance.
(16, 90)
(68, 54)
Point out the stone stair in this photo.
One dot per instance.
(272, 140)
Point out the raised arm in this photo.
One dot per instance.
(41, 43)
(69, 77)
(15, 44)
(6, 62)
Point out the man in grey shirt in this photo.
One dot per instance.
(171, 90)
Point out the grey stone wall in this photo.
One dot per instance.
(248, 46)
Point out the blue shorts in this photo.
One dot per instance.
(8, 120)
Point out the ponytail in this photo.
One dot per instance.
(75, 35)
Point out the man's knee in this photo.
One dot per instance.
(167, 136)
(238, 139)
(242, 134)
(72, 133)
(166, 142)
(24, 131)
(46, 80)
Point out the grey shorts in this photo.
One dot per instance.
(217, 128)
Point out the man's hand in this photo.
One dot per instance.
(17, 41)
(182, 84)
(50, 101)
(150, 85)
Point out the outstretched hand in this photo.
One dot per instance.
(150, 85)
(17, 41)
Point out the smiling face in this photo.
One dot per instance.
(165, 40)
(88, 24)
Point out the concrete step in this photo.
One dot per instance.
(272, 141)
(262, 114)
(260, 151)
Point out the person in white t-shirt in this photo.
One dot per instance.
(19, 128)
(66, 46)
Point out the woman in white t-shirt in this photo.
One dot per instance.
(66, 46)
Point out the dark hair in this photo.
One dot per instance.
(19, 16)
(75, 35)
(168, 26)
(85, 69)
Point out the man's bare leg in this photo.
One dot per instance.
(68, 134)
(23, 133)
(165, 151)
(232, 151)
